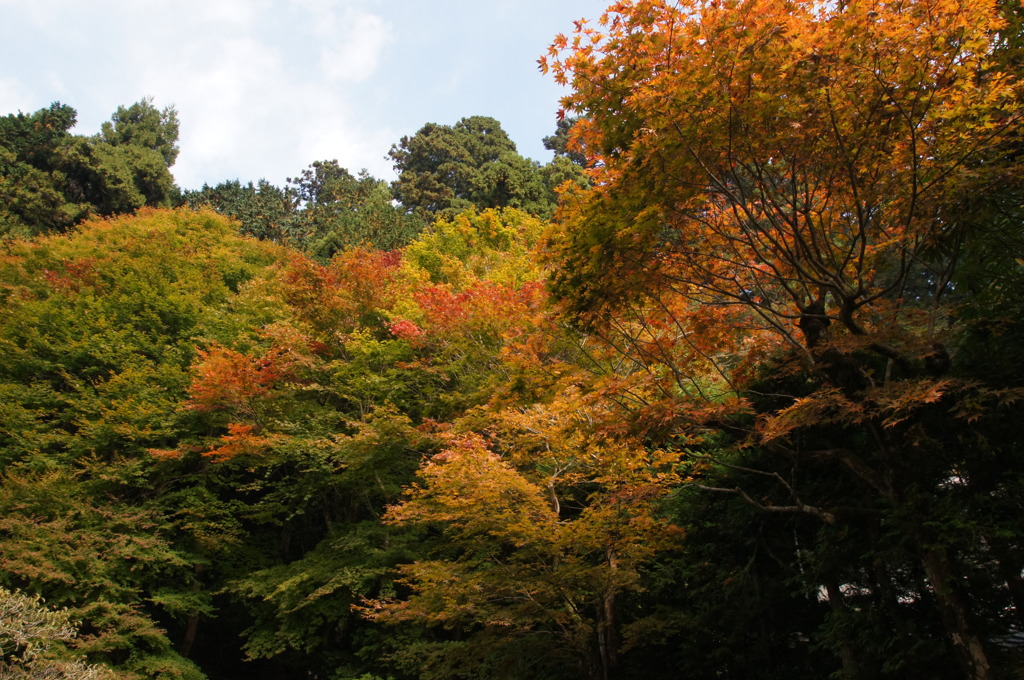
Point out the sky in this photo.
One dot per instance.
(265, 87)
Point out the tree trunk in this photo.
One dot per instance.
(191, 630)
(968, 646)
(192, 624)
(607, 641)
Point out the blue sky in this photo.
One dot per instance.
(265, 87)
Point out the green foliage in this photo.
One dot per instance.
(101, 562)
(32, 186)
(33, 640)
(307, 605)
(112, 179)
(560, 142)
(50, 179)
(340, 211)
(263, 210)
(33, 137)
(323, 211)
(143, 125)
(101, 327)
(492, 245)
(445, 169)
(99, 335)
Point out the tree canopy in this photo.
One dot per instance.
(444, 169)
(53, 179)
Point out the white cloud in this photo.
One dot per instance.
(251, 103)
(14, 96)
(355, 54)
(224, 95)
(226, 12)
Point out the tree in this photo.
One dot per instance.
(776, 191)
(143, 125)
(517, 566)
(560, 142)
(32, 194)
(263, 210)
(323, 211)
(111, 179)
(338, 211)
(52, 179)
(33, 137)
(470, 164)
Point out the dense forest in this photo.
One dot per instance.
(731, 388)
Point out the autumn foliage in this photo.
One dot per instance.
(747, 407)
(778, 218)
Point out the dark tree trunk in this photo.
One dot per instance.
(955, 616)
(192, 624)
(607, 634)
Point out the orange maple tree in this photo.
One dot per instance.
(794, 158)
(776, 191)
